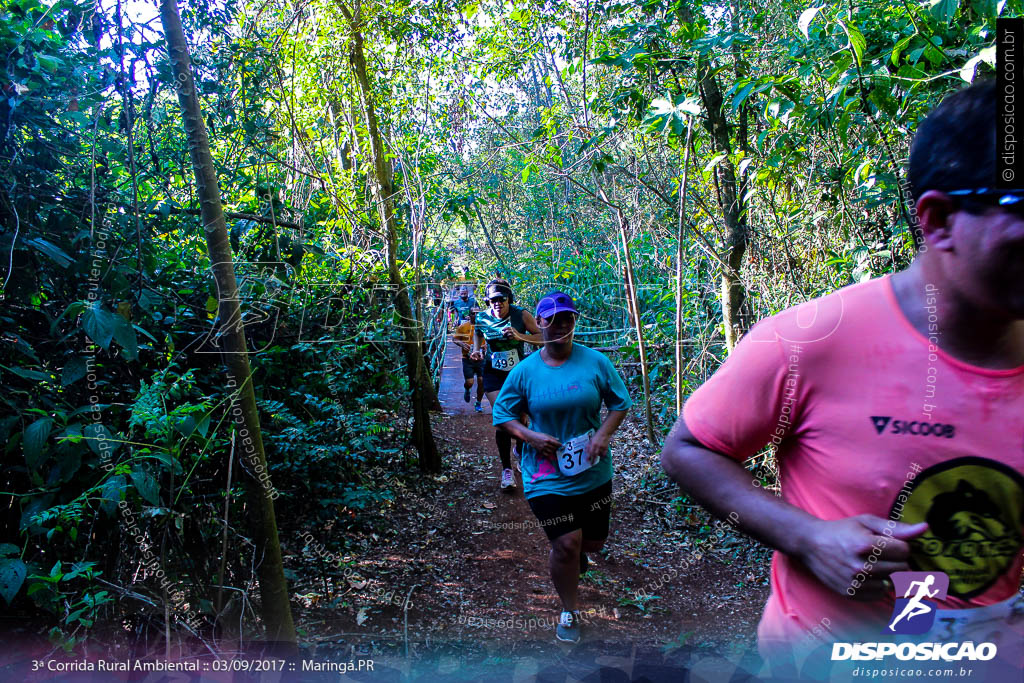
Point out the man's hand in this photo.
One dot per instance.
(545, 446)
(508, 332)
(597, 446)
(476, 355)
(837, 552)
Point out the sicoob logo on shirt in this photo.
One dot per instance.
(913, 427)
(975, 510)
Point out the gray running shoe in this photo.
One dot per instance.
(508, 480)
(568, 629)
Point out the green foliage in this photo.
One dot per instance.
(514, 132)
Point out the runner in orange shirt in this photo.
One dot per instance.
(463, 338)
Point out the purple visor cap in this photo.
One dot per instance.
(555, 302)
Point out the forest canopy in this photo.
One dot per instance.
(683, 169)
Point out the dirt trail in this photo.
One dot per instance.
(476, 563)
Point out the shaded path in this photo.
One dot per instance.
(456, 571)
(502, 554)
(450, 392)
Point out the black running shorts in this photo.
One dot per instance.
(494, 380)
(471, 368)
(590, 511)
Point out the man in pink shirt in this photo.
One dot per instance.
(897, 409)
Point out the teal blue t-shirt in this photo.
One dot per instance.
(562, 402)
(462, 307)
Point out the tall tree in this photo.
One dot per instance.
(420, 383)
(273, 585)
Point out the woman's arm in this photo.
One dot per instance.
(545, 445)
(602, 438)
(530, 323)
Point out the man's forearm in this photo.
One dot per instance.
(726, 488)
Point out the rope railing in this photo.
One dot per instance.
(436, 339)
(602, 338)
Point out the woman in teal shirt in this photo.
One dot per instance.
(505, 327)
(566, 463)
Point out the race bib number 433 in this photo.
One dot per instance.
(572, 456)
(504, 360)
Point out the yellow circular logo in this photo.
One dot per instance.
(975, 512)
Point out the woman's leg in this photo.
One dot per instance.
(501, 437)
(564, 563)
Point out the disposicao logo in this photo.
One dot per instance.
(914, 614)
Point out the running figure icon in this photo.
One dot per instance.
(916, 607)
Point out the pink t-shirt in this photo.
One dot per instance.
(872, 417)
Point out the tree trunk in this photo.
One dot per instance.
(730, 202)
(490, 242)
(679, 272)
(422, 388)
(638, 322)
(277, 614)
(634, 305)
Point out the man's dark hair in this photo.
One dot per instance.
(955, 146)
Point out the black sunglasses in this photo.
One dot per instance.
(497, 300)
(1011, 200)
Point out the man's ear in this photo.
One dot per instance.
(934, 214)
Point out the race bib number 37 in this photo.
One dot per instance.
(504, 360)
(572, 456)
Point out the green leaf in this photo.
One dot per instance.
(204, 425)
(125, 335)
(186, 425)
(898, 48)
(52, 251)
(33, 375)
(12, 575)
(36, 435)
(8, 550)
(742, 95)
(100, 440)
(714, 162)
(111, 492)
(675, 114)
(944, 10)
(99, 324)
(74, 370)
(857, 42)
(49, 63)
(146, 485)
(804, 22)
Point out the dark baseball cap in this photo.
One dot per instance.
(555, 302)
